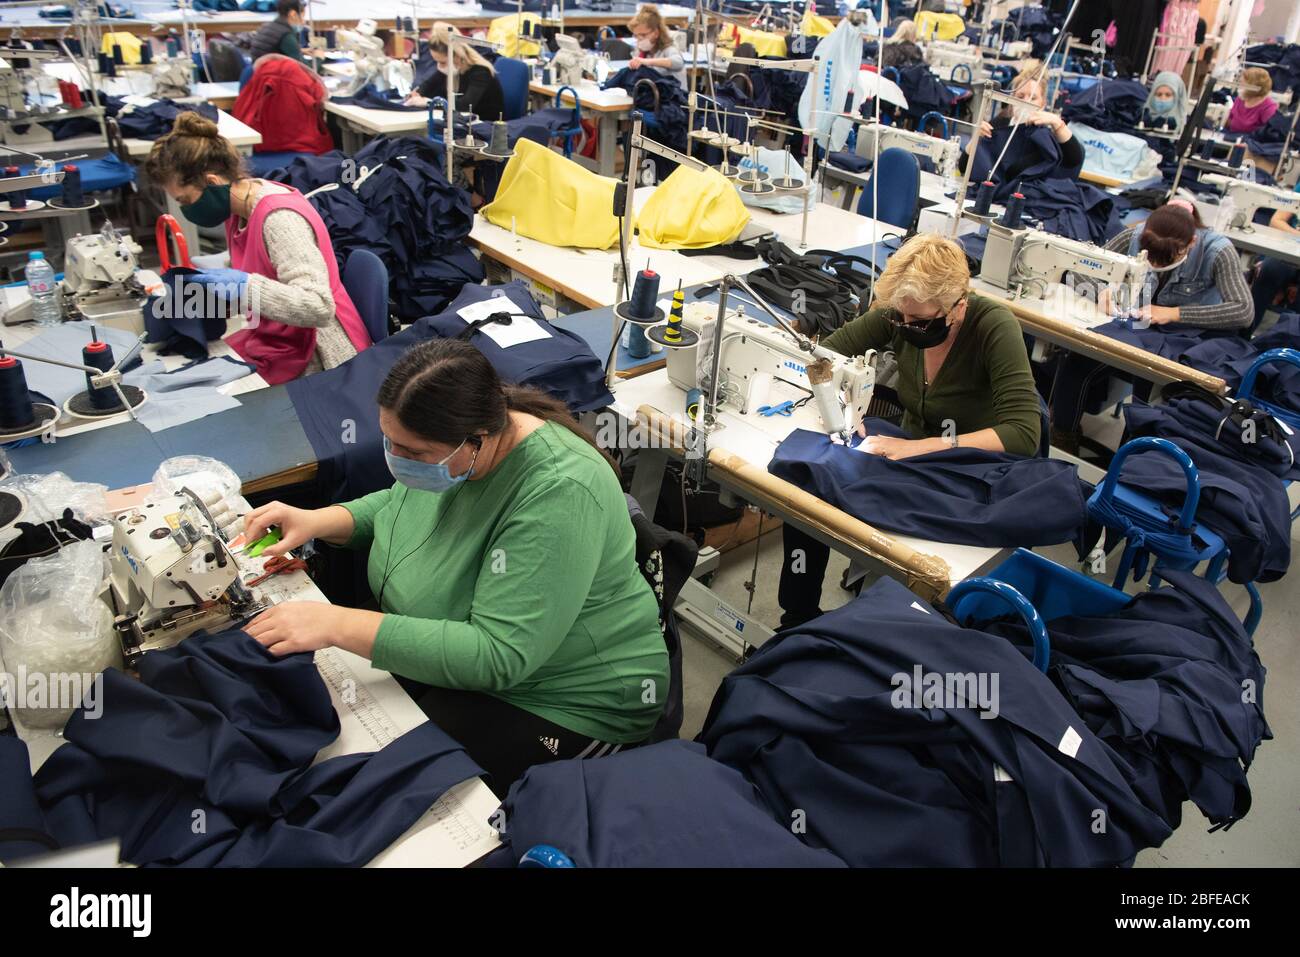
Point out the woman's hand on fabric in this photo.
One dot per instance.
(636, 62)
(415, 99)
(1160, 315)
(295, 626)
(892, 448)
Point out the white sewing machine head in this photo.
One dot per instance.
(753, 347)
(102, 279)
(1015, 258)
(571, 61)
(944, 154)
(1249, 197)
(172, 573)
(943, 55)
(172, 78)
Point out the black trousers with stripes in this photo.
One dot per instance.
(505, 741)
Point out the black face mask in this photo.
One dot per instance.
(927, 335)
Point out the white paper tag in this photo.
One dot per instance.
(478, 311)
(1000, 775)
(1285, 428)
(919, 607)
(1070, 742)
(521, 329)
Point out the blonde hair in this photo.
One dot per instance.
(466, 54)
(191, 151)
(649, 16)
(929, 269)
(904, 32)
(1257, 81)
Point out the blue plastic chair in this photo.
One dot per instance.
(576, 129)
(513, 75)
(246, 75)
(899, 188)
(1246, 391)
(964, 608)
(365, 277)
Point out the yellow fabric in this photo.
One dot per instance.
(944, 26)
(554, 200)
(815, 26)
(505, 31)
(765, 44)
(130, 46)
(691, 210)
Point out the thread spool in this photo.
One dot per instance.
(640, 309)
(173, 47)
(1237, 155)
(546, 76)
(500, 145)
(638, 346)
(146, 52)
(1207, 149)
(110, 68)
(672, 335)
(119, 58)
(693, 400)
(72, 197)
(16, 409)
(100, 356)
(103, 61)
(984, 198)
(17, 199)
(1015, 208)
(74, 46)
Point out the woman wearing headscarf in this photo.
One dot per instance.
(1166, 101)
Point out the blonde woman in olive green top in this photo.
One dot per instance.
(504, 564)
(963, 380)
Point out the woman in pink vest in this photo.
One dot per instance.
(283, 274)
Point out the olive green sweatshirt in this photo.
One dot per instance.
(984, 383)
(524, 585)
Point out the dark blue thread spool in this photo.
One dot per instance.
(72, 192)
(110, 68)
(119, 58)
(173, 47)
(146, 52)
(1015, 207)
(16, 410)
(1237, 155)
(74, 46)
(984, 198)
(1207, 149)
(103, 61)
(17, 200)
(331, 38)
(644, 293)
(100, 356)
(638, 346)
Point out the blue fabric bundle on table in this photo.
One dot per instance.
(779, 91)
(1244, 504)
(1036, 25)
(151, 122)
(827, 719)
(1114, 106)
(218, 725)
(729, 100)
(665, 805)
(1268, 139)
(562, 365)
(963, 496)
(1284, 63)
(1164, 682)
(669, 127)
(404, 211)
(925, 91)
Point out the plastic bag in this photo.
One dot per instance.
(56, 635)
(46, 496)
(833, 88)
(212, 481)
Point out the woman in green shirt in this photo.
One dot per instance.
(963, 380)
(503, 561)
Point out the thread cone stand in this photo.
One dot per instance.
(624, 311)
(46, 416)
(11, 508)
(659, 334)
(80, 405)
(57, 203)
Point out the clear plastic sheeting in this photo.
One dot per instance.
(46, 496)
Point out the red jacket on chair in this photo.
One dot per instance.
(285, 102)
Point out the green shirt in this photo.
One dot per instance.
(984, 383)
(289, 44)
(524, 585)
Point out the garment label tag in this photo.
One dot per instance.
(1000, 775)
(1285, 428)
(522, 328)
(919, 607)
(1070, 742)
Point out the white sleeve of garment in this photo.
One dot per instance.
(300, 296)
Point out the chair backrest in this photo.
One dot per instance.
(899, 187)
(513, 76)
(245, 75)
(365, 277)
(616, 49)
(226, 61)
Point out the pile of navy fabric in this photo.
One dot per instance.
(1283, 64)
(830, 723)
(925, 91)
(962, 496)
(139, 122)
(220, 726)
(404, 211)
(1053, 194)
(1172, 683)
(669, 126)
(779, 91)
(1036, 25)
(561, 365)
(1268, 139)
(1242, 503)
(1114, 106)
(666, 805)
(729, 99)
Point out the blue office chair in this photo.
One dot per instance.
(513, 75)
(365, 277)
(245, 75)
(899, 188)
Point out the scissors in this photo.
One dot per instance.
(165, 231)
(278, 566)
(785, 408)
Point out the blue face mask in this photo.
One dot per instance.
(425, 476)
(1162, 106)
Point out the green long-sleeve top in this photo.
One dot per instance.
(984, 383)
(523, 585)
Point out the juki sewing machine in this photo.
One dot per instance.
(1014, 258)
(173, 572)
(944, 154)
(571, 62)
(372, 64)
(1249, 197)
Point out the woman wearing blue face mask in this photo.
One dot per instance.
(1166, 103)
(503, 562)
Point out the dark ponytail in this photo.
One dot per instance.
(445, 390)
(1168, 231)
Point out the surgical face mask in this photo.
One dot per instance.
(645, 44)
(212, 208)
(1161, 106)
(426, 476)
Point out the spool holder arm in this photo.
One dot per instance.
(98, 378)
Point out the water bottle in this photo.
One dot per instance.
(44, 290)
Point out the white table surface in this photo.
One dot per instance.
(379, 122)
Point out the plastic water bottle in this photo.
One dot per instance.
(44, 290)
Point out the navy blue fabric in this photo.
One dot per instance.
(1164, 682)
(151, 122)
(924, 91)
(665, 805)
(1036, 25)
(22, 823)
(1268, 139)
(849, 161)
(779, 91)
(1244, 504)
(1284, 63)
(218, 725)
(1111, 105)
(670, 111)
(814, 721)
(1183, 419)
(372, 99)
(170, 321)
(562, 365)
(405, 212)
(964, 496)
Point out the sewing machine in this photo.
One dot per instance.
(944, 154)
(172, 573)
(1014, 258)
(372, 65)
(751, 347)
(1249, 197)
(944, 55)
(571, 62)
(172, 78)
